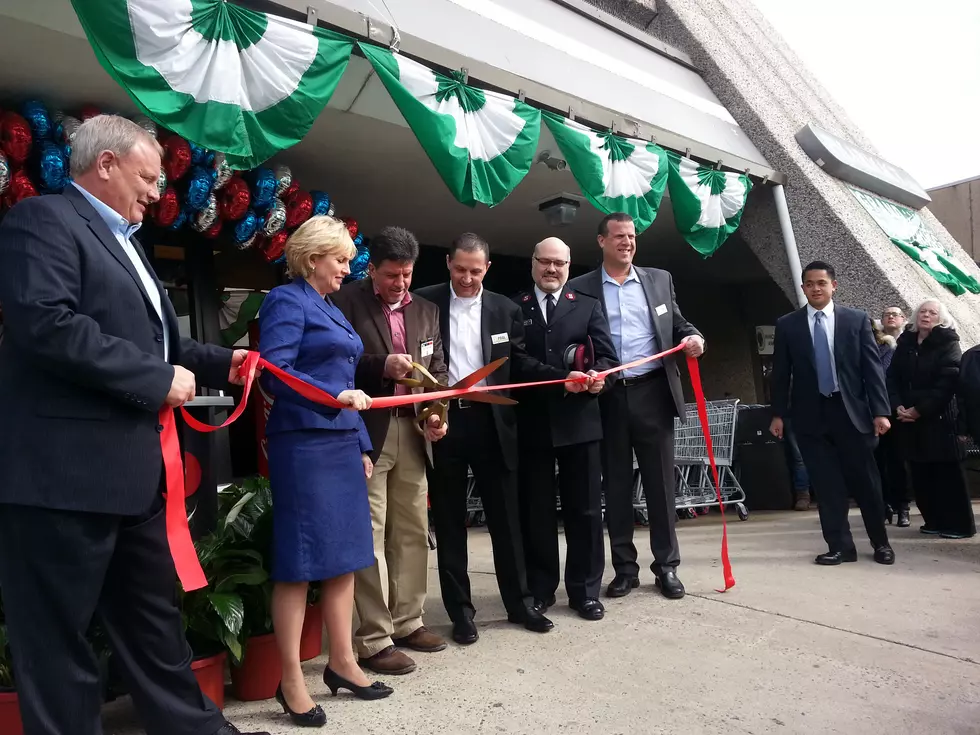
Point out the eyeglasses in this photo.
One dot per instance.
(896, 314)
(548, 262)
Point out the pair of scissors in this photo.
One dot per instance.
(439, 408)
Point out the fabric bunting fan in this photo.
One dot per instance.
(482, 143)
(616, 174)
(230, 79)
(708, 203)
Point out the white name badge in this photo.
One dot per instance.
(661, 310)
(528, 322)
(499, 339)
(426, 348)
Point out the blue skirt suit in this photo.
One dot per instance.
(321, 516)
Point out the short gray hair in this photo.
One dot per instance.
(945, 318)
(105, 133)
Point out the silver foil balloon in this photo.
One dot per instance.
(147, 124)
(207, 216)
(4, 173)
(284, 179)
(248, 243)
(70, 125)
(162, 182)
(331, 211)
(222, 170)
(276, 219)
(57, 116)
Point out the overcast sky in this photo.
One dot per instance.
(907, 72)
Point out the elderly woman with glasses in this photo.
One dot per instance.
(922, 381)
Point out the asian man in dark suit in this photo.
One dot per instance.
(562, 423)
(827, 377)
(479, 326)
(91, 353)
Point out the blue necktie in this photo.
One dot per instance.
(821, 351)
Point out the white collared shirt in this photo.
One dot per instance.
(465, 335)
(829, 324)
(541, 296)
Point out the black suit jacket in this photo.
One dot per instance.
(549, 417)
(82, 374)
(499, 315)
(671, 326)
(859, 374)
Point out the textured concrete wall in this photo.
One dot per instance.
(770, 93)
(958, 208)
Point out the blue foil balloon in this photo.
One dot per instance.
(52, 168)
(38, 118)
(246, 226)
(280, 260)
(263, 188)
(199, 187)
(321, 203)
(180, 221)
(359, 262)
(200, 155)
(359, 240)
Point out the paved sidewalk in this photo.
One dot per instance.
(859, 649)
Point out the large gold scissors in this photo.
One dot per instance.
(440, 407)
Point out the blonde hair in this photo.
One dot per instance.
(945, 318)
(317, 236)
(106, 133)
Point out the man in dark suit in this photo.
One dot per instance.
(562, 423)
(827, 377)
(90, 355)
(478, 327)
(397, 329)
(638, 412)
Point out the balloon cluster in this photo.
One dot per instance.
(257, 209)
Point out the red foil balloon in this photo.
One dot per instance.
(299, 207)
(351, 226)
(274, 246)
(88, 112)
(166, 210)
(234, 198)
(176, 157)
(15, 137)
(214, 230)
(20, 188)
(290, 190)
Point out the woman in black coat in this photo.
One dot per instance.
(922, 382)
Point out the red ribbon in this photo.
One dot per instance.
(178, 531)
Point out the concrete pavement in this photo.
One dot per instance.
(859, 649)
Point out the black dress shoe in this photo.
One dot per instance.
(622, 585)
(314, 717)
(885, 555)
(335, 682)
(465, 632)
(670, 586)
(542, 605)
(589, 608)
(229, 729)
(834, 558)
(903, 518)
(532, 619)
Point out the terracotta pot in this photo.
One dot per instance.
(260, 672)
(311, 643)
(10, 723)
(210, 675)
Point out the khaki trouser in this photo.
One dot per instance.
(390, 595)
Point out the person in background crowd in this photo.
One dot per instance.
(478, 327)
(968, 397)
(826, 377)
(562, 424)
(922, 381)
(888, 455)
(397, 329)
(318, 462)
(638, 411)
(801, 480)
(91, 354)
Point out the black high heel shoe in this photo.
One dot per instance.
(903, 518)
(889, 515)
(316, 717)
(335, 681)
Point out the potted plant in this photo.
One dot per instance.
(10, 723)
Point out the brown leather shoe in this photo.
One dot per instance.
(802, 501)
(389, 661)
(422, 640)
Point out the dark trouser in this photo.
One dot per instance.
(580, 487)
(891, 467)
(841, 462)
(942, 497)
(58, 570)
(473, 443)
(640, 418)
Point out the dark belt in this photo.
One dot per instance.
(464, 403)
(403, 412)
(646, 377)
(832, 397)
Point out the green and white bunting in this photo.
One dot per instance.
(481, 143)
(708, 203)
(616, 174)
(227, 78)
(238, 308)
(906, 230)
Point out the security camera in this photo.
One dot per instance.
(555, 164)
(559, 211)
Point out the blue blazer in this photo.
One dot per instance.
(308, 337)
